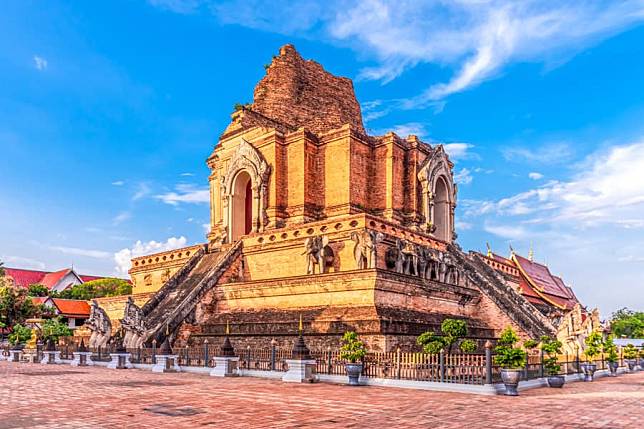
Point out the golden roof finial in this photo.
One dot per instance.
(227, 328)
(301, 327)
(531, 253)
(511, 251)
(489, 250)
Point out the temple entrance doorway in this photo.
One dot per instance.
(242, 206)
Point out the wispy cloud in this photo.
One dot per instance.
(186, 175)
(477, 39)
(545, 154)
(121, 217)
(142, 190)
(77, 251)
(535, 176)
(458, 151)
(186, 193)
(123, 257)
(463, 176)
(40, 63)
(118, 183)
(177, 6)
(20, 262)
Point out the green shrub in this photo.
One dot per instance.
(96, 289)
(593, 345)
(352, 350)
(53, 329)
(468, 346)
(610, 349)
(507, 355)
(630, 352)
(452, 329)
(37, 290)
(551, 348)
(20, 335)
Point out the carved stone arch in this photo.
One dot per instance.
(249, 160)
(437, 181)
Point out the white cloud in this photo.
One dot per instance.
(477, 39)
(545, 154)
(123, 257)
(186, 175)
(177, 6)
(118, 183)
(142, 190)
(40, 63)
(458, 151)
(20, 262)
(535, 176)
(463, 176)
(506, 231)
(185, 193)
(463, 226)
(98, 254)
(121, 217)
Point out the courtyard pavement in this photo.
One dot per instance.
(39, 396)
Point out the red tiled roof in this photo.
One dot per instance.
(72, 307)
(51, 279)
(39, 299)
(549, 287)
(24, 278)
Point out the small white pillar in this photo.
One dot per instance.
(166, 363)
(120, 361)
(301, 371)
(51, 358)
(225, 366)
(15, 355)
(82, 359)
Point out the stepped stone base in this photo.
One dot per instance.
(300, 371)
(120, 361)
(50, 358)
(166, 363)
(225, 366)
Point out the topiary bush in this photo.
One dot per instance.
(551, 348)
(507, 355)
(352, 350)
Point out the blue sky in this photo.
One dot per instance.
(109, 110)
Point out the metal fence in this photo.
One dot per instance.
(463, 368)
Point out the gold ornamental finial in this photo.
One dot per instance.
(489, 250)
(511, 251)
(531, 253)
(227, 328)
(301, 328)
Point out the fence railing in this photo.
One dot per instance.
(462, 368)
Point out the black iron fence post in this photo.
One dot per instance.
(541, 364)
(154, 352)
(273, 353)
(99, 352)
(329, 363)
(205, 352)
(247, 357)
(578, 365)
(441, 363)
(488, 362)
(525, 367)
(138, 354)
(187, 362)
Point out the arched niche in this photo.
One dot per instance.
(438, 194)
(242, 206)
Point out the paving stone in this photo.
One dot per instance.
(98, 397)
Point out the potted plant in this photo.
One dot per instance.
(610, 349)
(511, 360)
(641, 353)
(593, 347)
(352, 350)
(552, 349)
(630, 355)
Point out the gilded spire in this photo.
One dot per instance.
(489, 250)
(227, 328)
(531, 253)
(301, 327)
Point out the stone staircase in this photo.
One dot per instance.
(178, 297)
(511, 303)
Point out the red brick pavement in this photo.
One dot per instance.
(38, 396)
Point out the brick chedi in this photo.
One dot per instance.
(312, 217)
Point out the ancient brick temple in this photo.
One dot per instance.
(312, 216)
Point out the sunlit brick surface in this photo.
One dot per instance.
(35, 396)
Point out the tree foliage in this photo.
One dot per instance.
(627, 323)
(594, 344)
(453, 330)
(552, 348)
(610, 349)
(16, 306)
(96, 289)
(630, 352)
(53, 329)
(507, 355)
(19, 335)
(37, 290)
(352, 348)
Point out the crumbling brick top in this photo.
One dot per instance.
(300, 93)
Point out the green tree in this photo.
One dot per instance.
(610, 349)
(55, 329)
(627, 323)
(96, 289)
(594, 344)
(352, 348)
(453, 330)
(19, 335)
(16, 306)
(2, 272)
(37, 290)
(552, 348)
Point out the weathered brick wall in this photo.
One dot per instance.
(300, 92)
